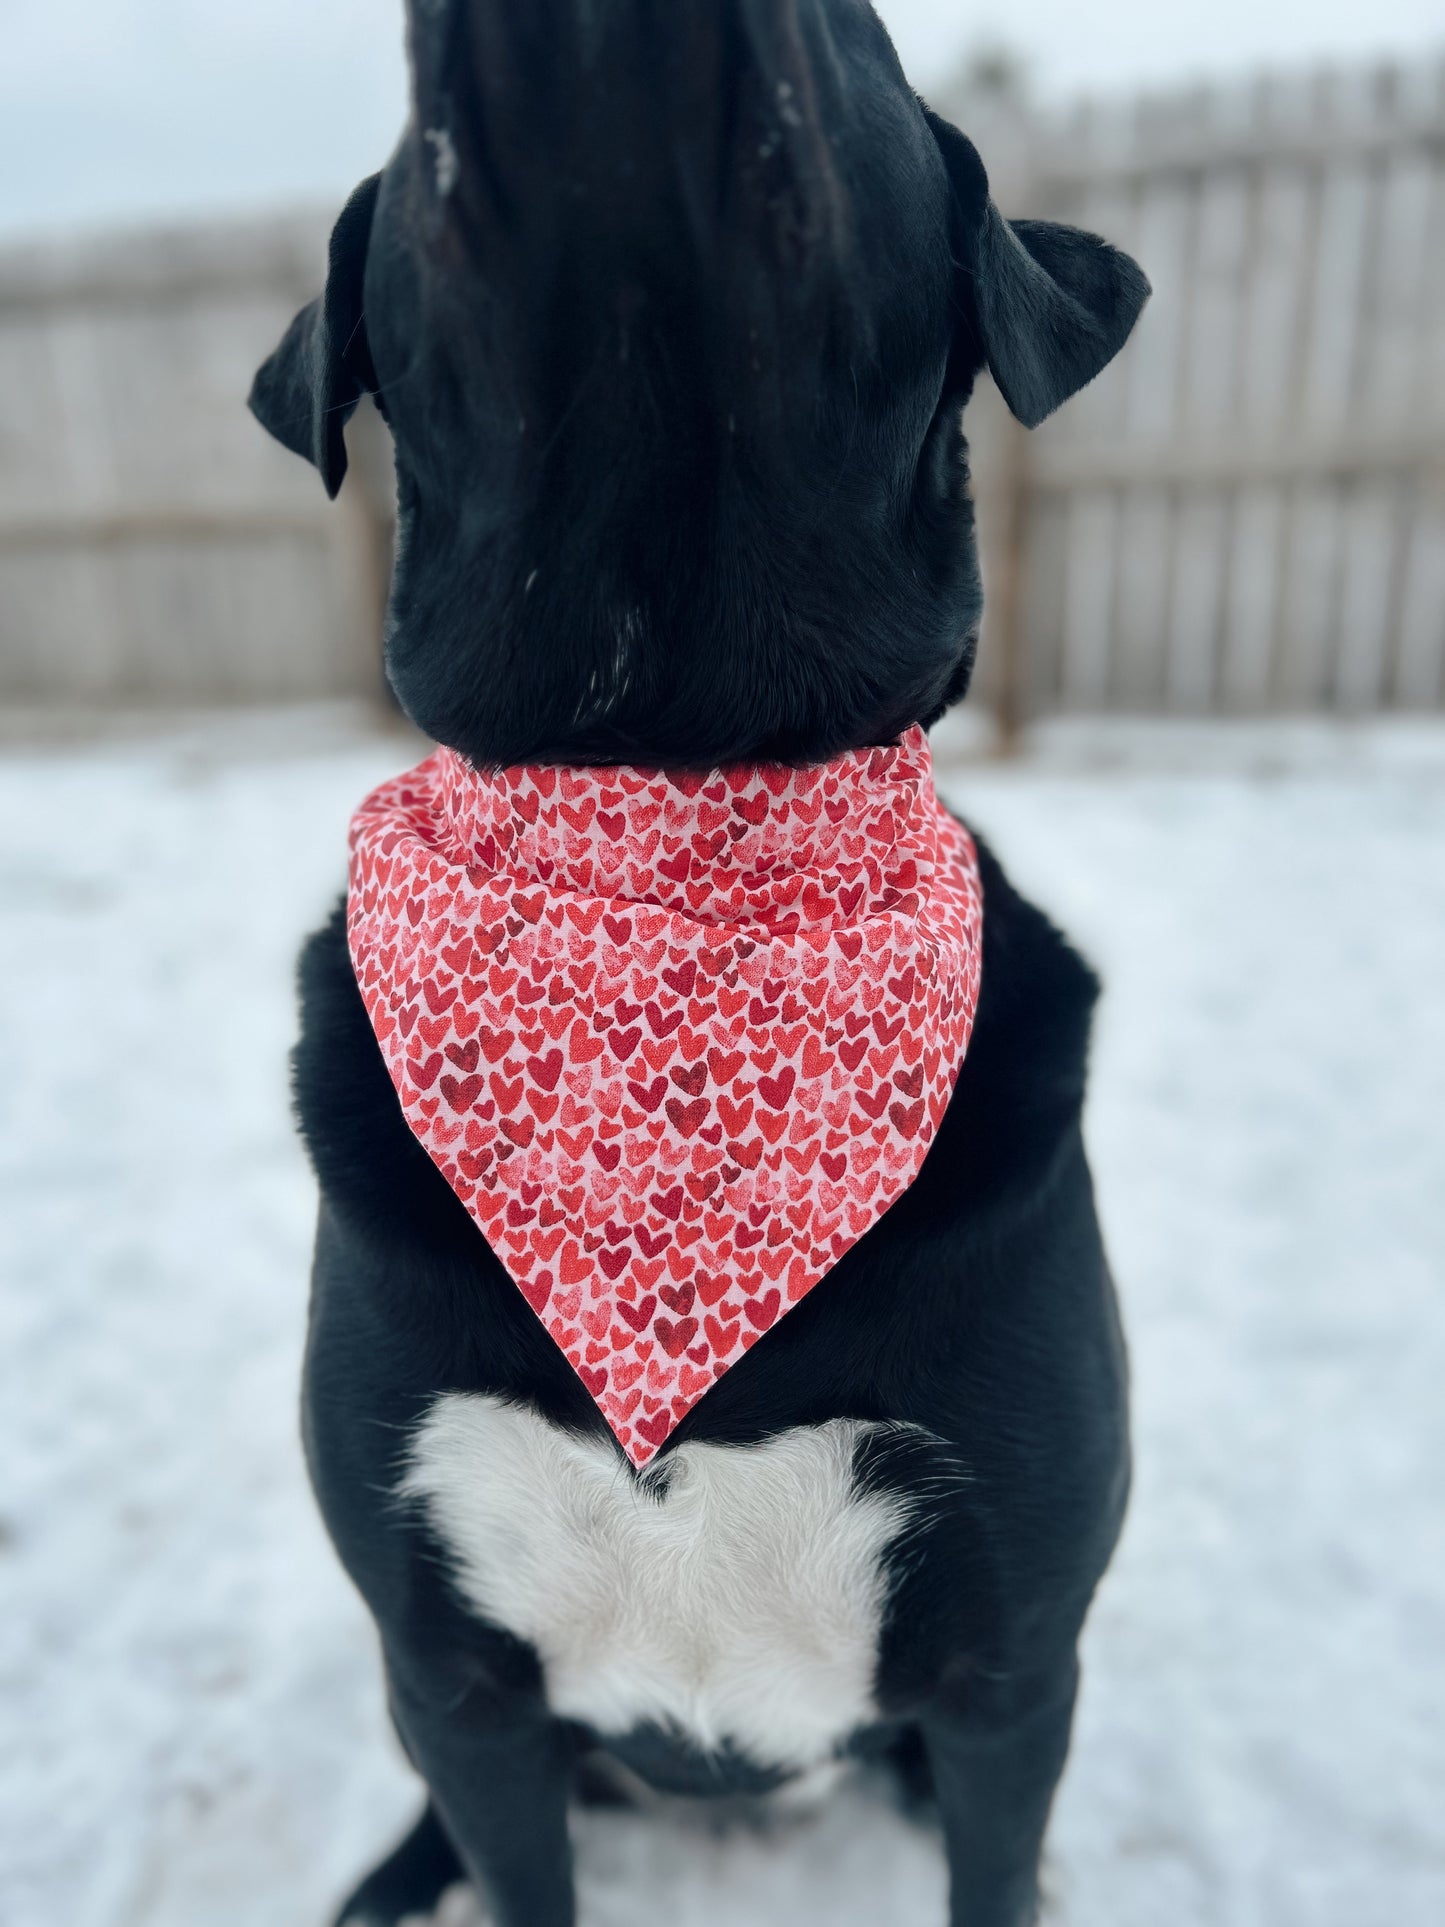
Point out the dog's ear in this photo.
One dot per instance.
(308, 390)
(1050, 305)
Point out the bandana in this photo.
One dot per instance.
(676, 1041)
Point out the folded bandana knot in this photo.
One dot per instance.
(676, 1041)
(755, 842)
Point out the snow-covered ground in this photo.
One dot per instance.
(193, 1730)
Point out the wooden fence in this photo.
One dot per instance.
(155, 546)
(1247, 511)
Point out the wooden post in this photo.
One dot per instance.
(1006, 597)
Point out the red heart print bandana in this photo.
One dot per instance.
(676, 1041)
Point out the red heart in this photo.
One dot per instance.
(775, 1091)
(762, 1312)
(669, 1203)
(721, 1337)
(649, 1096)
(639, 1316)
(748, 1155)
(547, 1069)
(461, 1093)
(675, 1338)
(537, 1291)
(686, 1118)
(656, 1428)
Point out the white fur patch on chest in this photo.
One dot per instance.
(741, 1600)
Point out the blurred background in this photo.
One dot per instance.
(1208, 734)
(1244, 517)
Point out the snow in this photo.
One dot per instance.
(190, 1688)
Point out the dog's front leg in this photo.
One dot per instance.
(499, 1778)
(995, 1772)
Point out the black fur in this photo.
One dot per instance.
(673, 310)
(675, 373)
(311, 387)
(980, 1307)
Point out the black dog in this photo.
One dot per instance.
(672, 310)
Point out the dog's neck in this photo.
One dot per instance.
(674, 1040)
(711, 846)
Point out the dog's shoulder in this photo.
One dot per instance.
(1021, 1089)
(370, 1166)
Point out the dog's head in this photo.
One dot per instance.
(672, 307)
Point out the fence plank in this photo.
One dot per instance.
(1420, 668)
(1245, 510)
(1142, 604)
(154, 545)
(1200, 584)
(1251, 621)
(1089, 612)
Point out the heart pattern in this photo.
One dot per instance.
(676, 1040)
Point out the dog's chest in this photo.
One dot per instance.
(735, 1599)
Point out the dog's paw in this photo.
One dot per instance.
(420, 1884)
